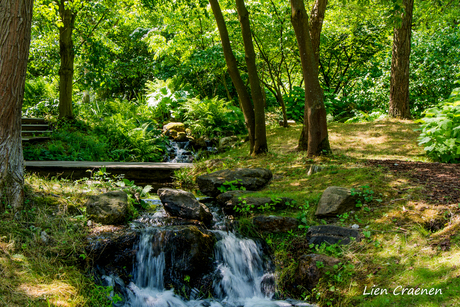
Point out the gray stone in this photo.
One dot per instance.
(308, 274)
(314, 169)
(223, 198)
(275, 223)
(226, 143)
(253, 179)
(181, 137)
(109, 208)
(178, 127)
(331, 234)
(334, 201)
(184, 204)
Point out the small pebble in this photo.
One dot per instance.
(355, 226)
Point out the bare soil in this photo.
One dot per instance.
(442, 180)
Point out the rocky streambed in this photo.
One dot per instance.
(188, 253)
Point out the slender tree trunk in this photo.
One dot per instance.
(314, 136)
(279, 98)
(243, 95)
(67, 55)
(15, 28)
(316, 25)
(399, 83)
(229, 97)
(260, 139)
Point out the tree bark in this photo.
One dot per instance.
(260, 138)
(232, 66)
(399, 82)
(15, 29)
(67, 55)
(314, 136)
(316, 25)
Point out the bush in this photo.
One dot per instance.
(441, 130)
(211, 117)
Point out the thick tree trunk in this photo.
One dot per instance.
(260, 139)
(314, 136)
(316, 25)
(243, 95)
(15, 27)
(399, 83)
(67, 55)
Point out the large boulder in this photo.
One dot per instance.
(334, 201)
(183, 204)
(178, 127)
(248, 178)
(188, 251)
(113, 249)
(109, 208)
(275, 223)
(331, 234)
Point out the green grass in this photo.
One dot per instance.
(400, 247)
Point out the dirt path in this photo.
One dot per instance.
(442, 180)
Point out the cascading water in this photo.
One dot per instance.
(239, 264)
(240, 274)
(183, 152)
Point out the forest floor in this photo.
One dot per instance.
(410, 226)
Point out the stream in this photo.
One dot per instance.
(236, 272)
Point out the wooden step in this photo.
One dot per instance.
(35, 127)
(33, 120)
(35, 133)
(36, 139)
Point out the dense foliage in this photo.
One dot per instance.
(441, 130)
(165, 62)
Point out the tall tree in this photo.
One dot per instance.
(399, 82)
(67, 54)
(314, 135)
(260, 136)
(316, 25)
(15, 28)
(255, 132)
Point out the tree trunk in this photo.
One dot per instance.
(243, 95)
(260, 139)
(15, 28)
(316, 25)
(279, 98)
(314, 136)
(67, 55)
(399, 83)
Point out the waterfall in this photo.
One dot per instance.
(239, 265)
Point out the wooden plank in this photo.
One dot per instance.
(36, 127)
(35, 139)
(33, 120)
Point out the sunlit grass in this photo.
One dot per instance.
(404, 246)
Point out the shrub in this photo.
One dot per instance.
(211, 117)
(441, 130)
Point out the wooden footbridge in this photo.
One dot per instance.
(38, 130)
(141, 172)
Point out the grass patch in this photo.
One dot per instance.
(407, 241)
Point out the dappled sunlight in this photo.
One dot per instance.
(387, 139)
(57, 292)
